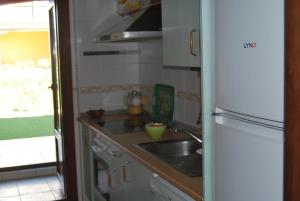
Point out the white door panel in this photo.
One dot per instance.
(248, 162)
(250, 80)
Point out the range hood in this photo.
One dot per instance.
(143, 25)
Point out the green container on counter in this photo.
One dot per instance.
(163, 103)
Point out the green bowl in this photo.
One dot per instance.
(155, 130)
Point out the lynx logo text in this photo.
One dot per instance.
(250, 45)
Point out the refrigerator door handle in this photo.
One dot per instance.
(223, 114)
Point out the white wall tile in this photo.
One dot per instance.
(90, 101)
(192, 82)
(150, 66)
(187, 81)
(179, 110)
(179, 79)
(167, 76)
(105, 59)
(182, 80)
(90, 18)
(92, 71)
(121, 74)
(108, 75)
(84, 31)
(186, 111)
(89, 75)
(114, 100)
(151, 52)
(150, 62)
(104, 100)
(192, 110)
(150, 73)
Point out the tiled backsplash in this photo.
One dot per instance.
(108, 97)
(186, 83)
(190, 96)
(106, 100)
(109, 88)
(144, 88)
(112, 96)
(102, 81)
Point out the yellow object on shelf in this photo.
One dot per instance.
(144, 100)
(134, 110)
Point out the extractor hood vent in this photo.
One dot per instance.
(144, 25)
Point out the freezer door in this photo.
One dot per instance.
(248, 162)
(250, 57)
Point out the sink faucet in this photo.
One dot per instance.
(188, 132)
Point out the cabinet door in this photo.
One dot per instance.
(137, 181)
(181, 33)
(87, 161)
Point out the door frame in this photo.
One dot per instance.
(63, 14)
(292, 101)
(70, 174)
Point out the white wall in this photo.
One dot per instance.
(98, 81)
(102, 81)
(186, 82)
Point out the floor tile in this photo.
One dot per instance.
(32, 189)
(44, 196)
(58, 194)
(5, 184)
(35, 185)
(14, 198)
(8, 192)
(53, 182)
(8, 189)
(27, 151)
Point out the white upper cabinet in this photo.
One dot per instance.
(181, 33)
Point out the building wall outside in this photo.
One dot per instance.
(18, 46)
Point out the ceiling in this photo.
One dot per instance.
(28, 16)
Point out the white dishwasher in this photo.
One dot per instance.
(164, 191)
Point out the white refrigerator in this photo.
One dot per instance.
(249, 97)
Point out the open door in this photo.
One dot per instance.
(59, 16)
(56, 88)
(63, 97)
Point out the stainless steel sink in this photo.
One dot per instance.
(184, 155)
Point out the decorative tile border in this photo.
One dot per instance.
(179, 94)
(109, 88)
(189, 96)
(147, 88)
(128, 87)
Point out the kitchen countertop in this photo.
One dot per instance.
(192, 186)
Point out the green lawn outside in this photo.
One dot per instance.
(26, 127)
(26, 103)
